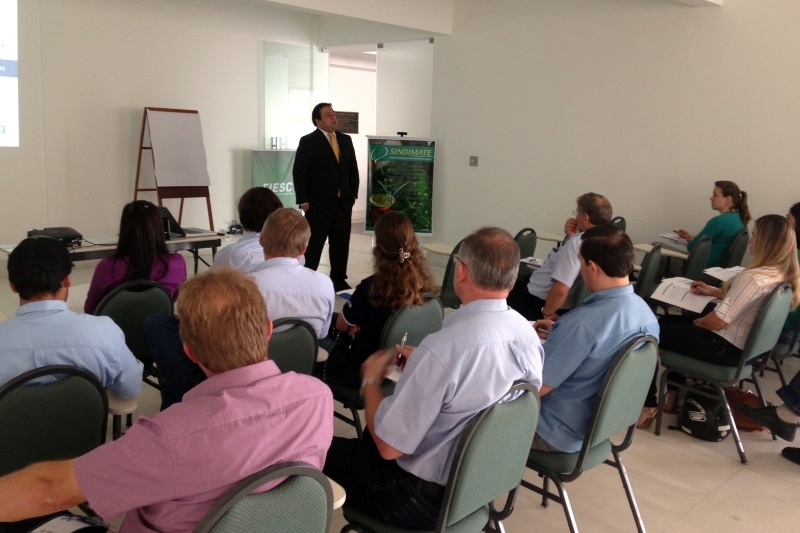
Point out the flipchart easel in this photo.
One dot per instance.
(177, 156)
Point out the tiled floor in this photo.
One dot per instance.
(682, 484)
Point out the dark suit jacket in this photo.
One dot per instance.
(318, 177)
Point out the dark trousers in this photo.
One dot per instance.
(330, 221)
(381, 488)
(790, 394)
(678, 334)
(525, 303)
(177, 372)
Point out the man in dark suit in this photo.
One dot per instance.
(326, 184)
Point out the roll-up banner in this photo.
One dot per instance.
(400, 178)
(273, 169)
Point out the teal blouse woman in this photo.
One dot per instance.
(734, 215)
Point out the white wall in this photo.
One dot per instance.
(353, 89)
(89, 67)
(645, 101)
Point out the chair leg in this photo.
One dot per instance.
(779, 369)
(357, 422)
(129, 420)
(762, 400)
(729, 417)
(116, 427)
(546, 489)
(662, 393)
(626, 483)
(562, 491)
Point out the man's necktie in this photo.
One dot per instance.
(334, 145)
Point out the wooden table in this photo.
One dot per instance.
(87, 252)
(547, 236)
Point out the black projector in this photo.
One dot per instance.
(68, 236)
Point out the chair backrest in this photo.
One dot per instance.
(768, 324)
(622, 394)
(418, 321)
(737, 250)
(491, 454)
(698, 259)
(619, 222)
(294, 349)
(646, 283)
(129, 305)
(303, 503)
(449, 297)
(526, 240)
(581, 293)
(782, 351)
(60, 420)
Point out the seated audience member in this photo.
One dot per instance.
(733, 217)
(44, 332)
(550, 290)
(289, 290)
(719, 336)
(584, 342)
(254, 207)
(167, 471)
(781, 420)
(141, 254)
(398, 472)
(401, 278)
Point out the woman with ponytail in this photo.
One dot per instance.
(734, 215)
(401, 278)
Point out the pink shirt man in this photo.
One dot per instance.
(169, 470)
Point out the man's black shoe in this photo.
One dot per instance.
(768, 417)
(793, 454)
(341, 286)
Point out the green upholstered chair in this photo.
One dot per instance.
(762, 338)
(488, 463)
(779, 353)
(646, 284)
(737, 250)
(619, 222)
(60, 420)
(128, 306)
(698, 259)
(618, 405)
(418, 321)
(526, 240)
(581, 293)
(303, 503)
(449, 297)
(294, 349)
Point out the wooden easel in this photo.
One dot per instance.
(199, 191)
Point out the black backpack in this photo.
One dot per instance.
(703, 418)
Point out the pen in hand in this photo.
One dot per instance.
(402, 345)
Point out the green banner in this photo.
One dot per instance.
(273, 169)
(400, 178)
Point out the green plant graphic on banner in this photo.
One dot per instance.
(400, 178)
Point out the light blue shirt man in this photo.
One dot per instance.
(292, 290)
(246, 254)
(581, 346)
(562, 264)
(452, 375)
(46, 332)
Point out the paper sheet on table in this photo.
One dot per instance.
(674, 237)
(723, 274)
(533, 261)
(678, 292)
(65, 524)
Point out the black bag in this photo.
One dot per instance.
(703, 418)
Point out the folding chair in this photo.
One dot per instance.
(619, 403)
(449, 297)
(762, 338)
(488, 463)
(619, 222)
(294, 349)
(526, 240)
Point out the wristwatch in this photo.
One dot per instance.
(545, 315)
(368, 381)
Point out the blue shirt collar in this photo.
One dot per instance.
(616, 292)
(42, 306)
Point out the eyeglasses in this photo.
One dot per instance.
(457, 258)
(574, 212)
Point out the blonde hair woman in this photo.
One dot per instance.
(719, 336)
